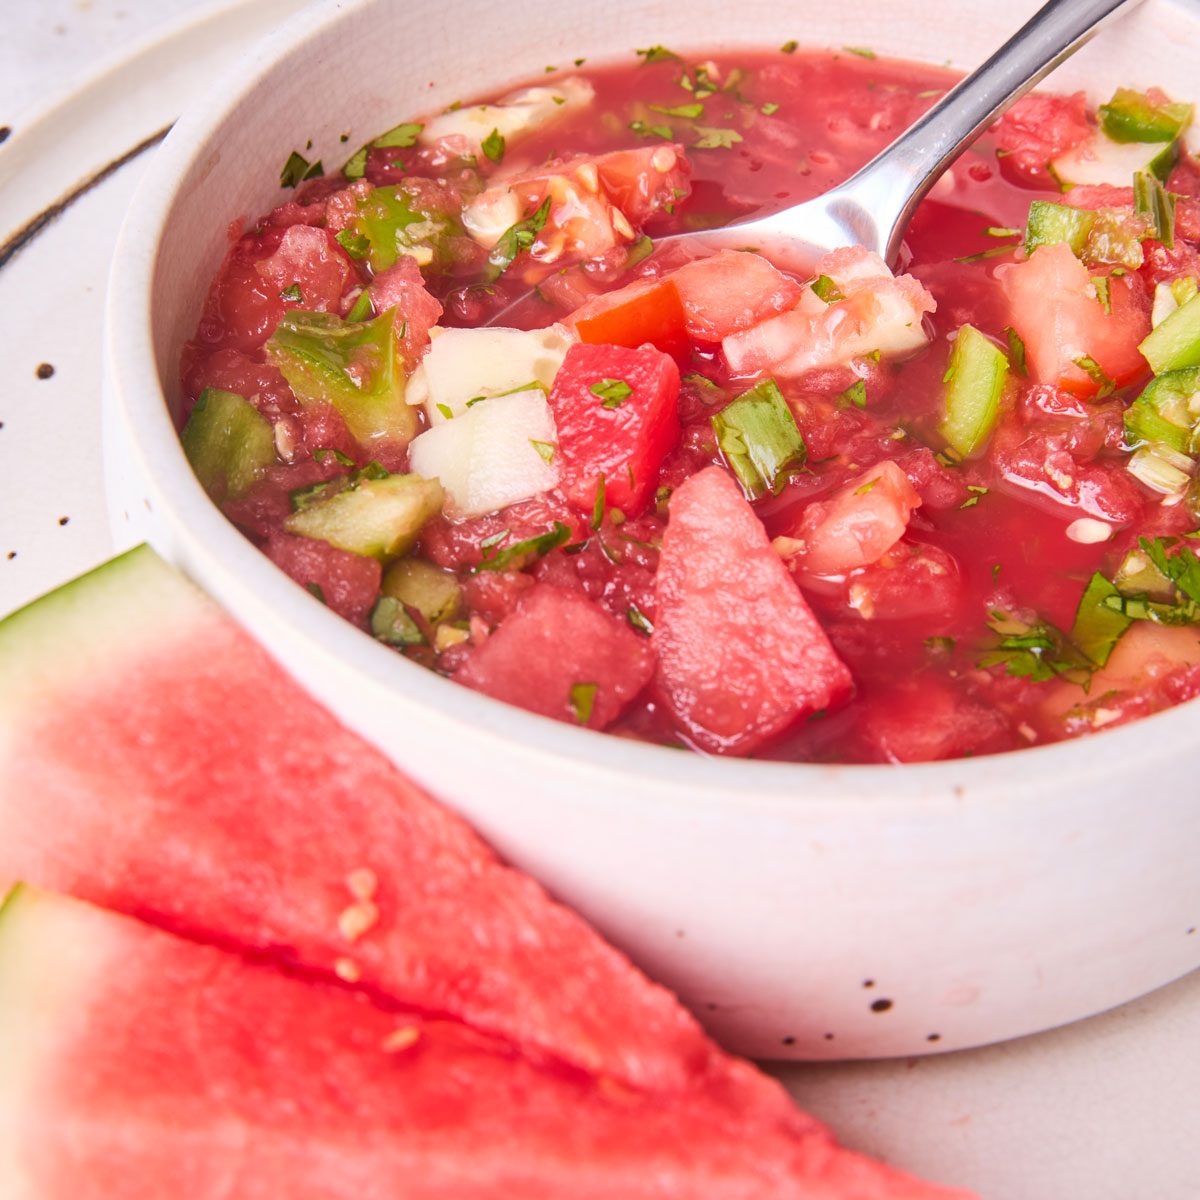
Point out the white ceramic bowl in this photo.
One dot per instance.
(980, 899)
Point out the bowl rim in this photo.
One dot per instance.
(141, 404)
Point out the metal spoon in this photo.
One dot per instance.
(872, 208)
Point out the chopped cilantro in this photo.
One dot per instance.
(545, 449)
(1002, 231)
(1098, 627)
(654, 54)
(399, 138)
(866, 487)
(639, 620)
(994, 252)
(759, 439)
(789, 47)
(598, 507)
(712, 138)
(297, 169)
(518, 237)
(827, 290)
(690, 111)
(361, 309)
(1038, 652)
(1151, 198)
(321, 453)
(1016, 350)
(861, 51)
(580, 61)
(353, 243)
(1103, 292)
(292, 293)
(583, 697)
(493, 145)
(769, 109)
(446, 411)
(644, 130)
(314, 589)
(1088, 364)
(391, 623)
(520, 554)
(355, 167)
(856, 393)
(614, 392)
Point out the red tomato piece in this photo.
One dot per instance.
(1036, 129)
(560, 655)
(348, 582)
(617, 415)
(740, 655)
(855, 526)
(1055, 308)
(647, 311)
(732, 291)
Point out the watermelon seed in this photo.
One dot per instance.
(401, 1039)
(880, 1005)
(347, 970)
(357, 920)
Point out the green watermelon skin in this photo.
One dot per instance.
(155, 760)
(140, 1066)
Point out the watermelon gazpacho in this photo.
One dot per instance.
(454, 391)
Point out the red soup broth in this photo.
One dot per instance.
(958, 636)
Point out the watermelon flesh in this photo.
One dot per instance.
(155, 760)
(138, 1064)
(740, 655)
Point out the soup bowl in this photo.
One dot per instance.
(800, 910)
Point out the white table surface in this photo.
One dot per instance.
(1108, 1109)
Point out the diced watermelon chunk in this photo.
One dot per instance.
(740, 655)
(348, 583)
(1036, 129)
(928, 721)
(644, 312)
(855, 526)
(732, 291)
(1066, 329)
(617, 415)
(561, 655)
(310, 260)
(402, 286)
(138, 1064)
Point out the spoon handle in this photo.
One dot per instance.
(893, 183)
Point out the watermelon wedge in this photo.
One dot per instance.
(138, 1064)
(155, 760)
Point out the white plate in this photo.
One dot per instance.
(1105, 1110)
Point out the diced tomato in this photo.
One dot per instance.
(877, 313)
(1056, 310)
(647, 311)
(348, 583)
(402, 286)
(732, 291)
(1036, 129)
(644, 181)
(928, 721)
(617, 415)
(855, 526)
(740, 655)
(560, 655)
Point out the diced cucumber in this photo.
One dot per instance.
(349, 365)
(759, 438)
(1133, 117)
(1050, 223)
(228, 442)
(1175, 343)
(380, 518)
(975, 381)
(1098, 627)
(1101, 160)
(390, 623)
(1168, 411)
(418, 584)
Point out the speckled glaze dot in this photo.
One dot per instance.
(933, 1037)
(829, 1037)
(44, 371)
(5, 131)
(880, 1005)
(868, 983)
(789, 1040)
(64, 520)
(11, 555)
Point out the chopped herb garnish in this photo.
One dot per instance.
(518, 237)
(759, 439)
(994, 252)
(930, 93)
(866, 487)
(639, 620)
(355, 167)
(861, 51)
(520, 554)
(493, 145)
(827, 290)
(1002, 231)
(292, 293)
(644, 130)
(1088, 364)
(789, 47)
(1016, 350)
(314, 589)
(391, 623)
(1038, 652)
(361, 308)
(321, 453)
(446, 411)
(690, 111)
(977, 494)
(716, 139)
(297, 169)
(399, 138)
(769, 109)
(654, 54)
(613, 392)
(580, 61)
(598, 507)
(641, 249)
(353, 243)
(545, 449)
(856, 393)
(1098, 627)
(1103, 292)
(583, 697)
